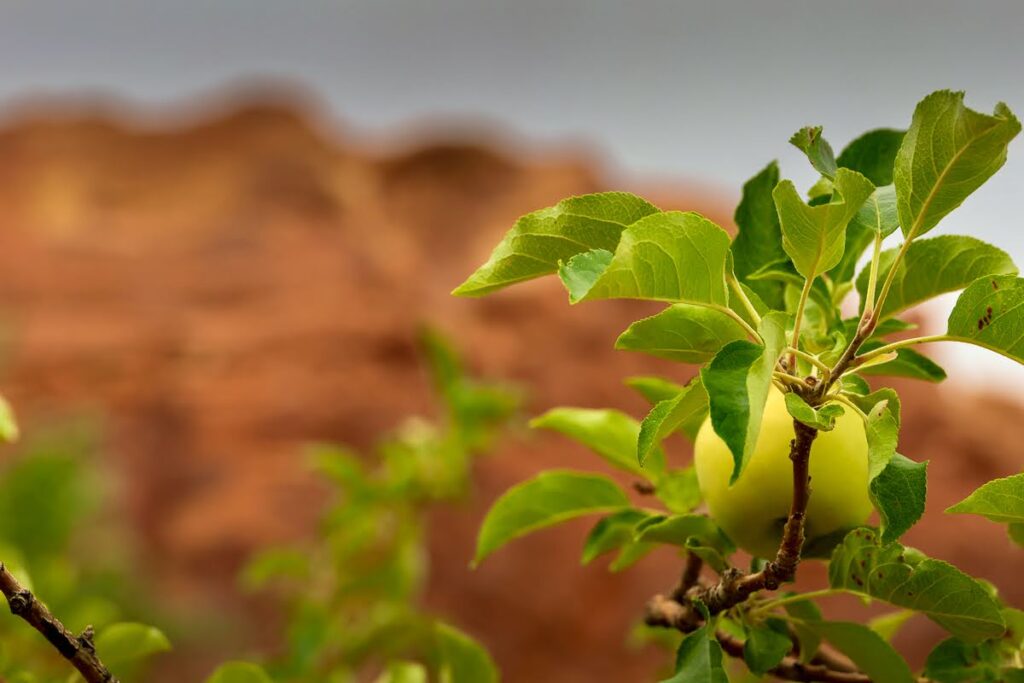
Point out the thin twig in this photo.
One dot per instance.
(78, 650)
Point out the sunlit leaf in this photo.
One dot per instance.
(541, 240)
(683, 333)
(810, 141)
(938, 590)
(990, 314)
(127, 642)
(549, 498)
(678, 529)
(609, 433)
(686, 412)
(1000, 500)
(239, 672)
(898, 493)
(463, 660)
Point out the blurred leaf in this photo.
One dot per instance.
(539, 241)
(404, 672)
(678, 529)
(938, 590)
(463, 660)
(866, 649)
(948, 152)
(8, 425)
(127, 642)
(699, 659)
(679, 490)
(611, 532)
(804, 611)
(954, 661)
(683, 333)
(274, 564)
(670, 256)
(654, 389)
(239, 672)
(549, 498)
(888, 625)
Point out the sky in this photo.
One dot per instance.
(706, 91)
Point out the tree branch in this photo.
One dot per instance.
(78, 650)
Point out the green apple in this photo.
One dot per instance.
(754, 509)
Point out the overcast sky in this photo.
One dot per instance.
(706, 90)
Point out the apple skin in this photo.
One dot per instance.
(753, 511)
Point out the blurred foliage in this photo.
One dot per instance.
(57, 537)
(352, 595)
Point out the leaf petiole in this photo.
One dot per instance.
(896, 345)
(734, 284)
(813, 360)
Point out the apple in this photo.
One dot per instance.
(754, 509)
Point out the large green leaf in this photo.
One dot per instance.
(463, 660)
(758, 238)
(239, 672)
(672, 256)
(954, 661)
(866, 649)
(935, 266)
(547, 499)
(810, 141)
(127, 642)
(609, 433)
(947, 153)
(539, 241)
(1000, 500)
(737, 382)
(814, 236)
(873, 155)
(990, 313)
(683, 333)
(898, 493)
(686, 411)
(938, 590)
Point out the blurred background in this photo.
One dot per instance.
(222, 224)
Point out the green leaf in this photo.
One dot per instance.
(671, 256)
(463, 660)
(8, 425)
(610, 533)
(274, 564)
(907, 363)
(883, 432)
(539, 241)
(898, 493)
(948, 152)
(866, 649)
(713, 558)
(678, 529)
(1016, 533)
(549, 498)
(737, 382)
(683, 333)
(809, 141)
(128, 642)
(990, 314)
(404, 672)
(686, 411)
(822, 419)
(609, 433)
(654, 389)
(873, 155)
(878, 214)
(239, 672)
(758, 239)
(935, 266)
(1000, 500)
(888, 625)
(766, 645)
(699, 659)
(954, 661)
(940, 591)
(814, 236)
(678, 489)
